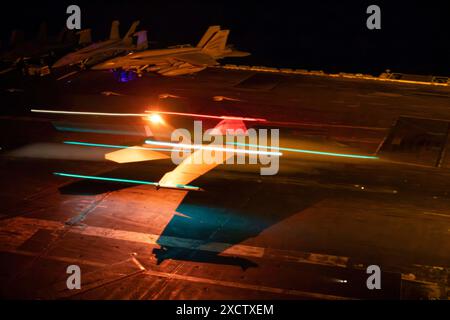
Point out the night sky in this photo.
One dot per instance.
(321, 35)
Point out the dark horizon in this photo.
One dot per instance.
(327, 35)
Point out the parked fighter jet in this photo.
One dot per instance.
(178, 60)
(41, 46)
(100, 51)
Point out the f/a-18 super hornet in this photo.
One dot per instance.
(42, 46)
(102, 50)
(194, 157)
(178, 60)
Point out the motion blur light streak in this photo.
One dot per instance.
(208, 116)
(87, 113)
(305, 151)
(206, 147)
(104, 178)
(156, 184)
(87, 144)
(115, 114)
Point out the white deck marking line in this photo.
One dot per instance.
(20, 229)
(24, 228)
(222, 283)
(15, 231)
(57, 258)
(436, 214)
(153, 239)
(246, 286)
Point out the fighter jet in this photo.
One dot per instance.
(100, 51)
(42, 46)
(195, 158)
(158, 128)
(178, 60)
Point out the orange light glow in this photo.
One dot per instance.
(155, 118)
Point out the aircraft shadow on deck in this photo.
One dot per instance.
(90, 187)
(228, 214)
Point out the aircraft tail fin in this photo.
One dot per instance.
(85, 37)
(42, 33)
(142, 42)
(114, 33)
(208, 35)
(216, 45)
(62, 35)
(128, 38)
(69, 37)
(17, 37)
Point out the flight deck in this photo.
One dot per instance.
(308, 232)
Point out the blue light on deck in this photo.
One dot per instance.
(125, 76)
(105, 178)
(229, 143)
(156, 184)
(304, 151)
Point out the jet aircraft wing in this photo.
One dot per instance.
(187, 171)
(135, 154)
